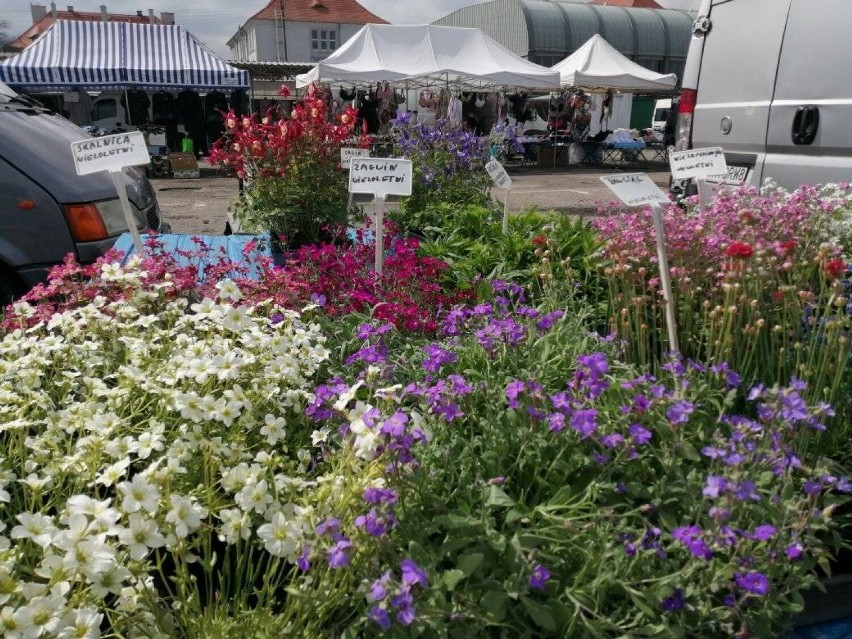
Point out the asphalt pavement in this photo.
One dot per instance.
(200, 205)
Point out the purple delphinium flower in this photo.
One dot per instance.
(676, 601)
(612, 440)
(539, 577)
(380, 617)
(639, 434)
(754, 583)
(513, 389)
(378, 589)
(679, 412)
(584, 421)
(303, 561)
(412, 574)
(714, 485)
(764, 532)
(337, 557)
(437, 357)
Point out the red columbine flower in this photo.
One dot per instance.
(835, 268)
(739, 249)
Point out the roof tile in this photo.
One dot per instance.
(342, 11)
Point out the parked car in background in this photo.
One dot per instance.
(662, 109)
(771, 83)
(46, 210)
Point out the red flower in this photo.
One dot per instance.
(740, 250)
(788, 246)
(539, 240)
(835, 268)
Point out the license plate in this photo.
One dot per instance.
(735, 175)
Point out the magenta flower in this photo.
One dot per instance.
(539, 577)
(754, 583)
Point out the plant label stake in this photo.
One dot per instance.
(699, 164)
(637, 189)
(346, 155)
(380, 177)
(112, 153)
(502, 181)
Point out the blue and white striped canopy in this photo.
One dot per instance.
(101, 55)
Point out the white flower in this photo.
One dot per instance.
(40, 528)
(110, 581)
(228, 290)
(185, 515)
(113, 472)
(235, 525)
(280, 537)
(141, 536)
(273, 428)
(139, 493)
(40, 615)
(320, 436)
(81, 623)
(347, 396)
(90, 557)
(254, 497)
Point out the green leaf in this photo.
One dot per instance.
(640, 601)
(451, 578)
(452, 522)
(689, 452)
(469, 563)
(540, 614)
(494, 603)
(499, 499)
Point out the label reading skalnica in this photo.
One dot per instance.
(380, 176)
(635, 189)
(110, 152)
(347, 153)
(698, 163)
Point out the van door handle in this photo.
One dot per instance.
(805, 124)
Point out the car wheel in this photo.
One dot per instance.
(10, 286)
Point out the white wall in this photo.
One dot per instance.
(295, 46)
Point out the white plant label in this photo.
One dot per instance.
(635, 189)
(347, 153)
(498, 175)
(380, 176)
(698, 163)
(110, 152)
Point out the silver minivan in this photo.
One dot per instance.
(770, 81)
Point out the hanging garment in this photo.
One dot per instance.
(79, 107)
(189, 108)
(454, 110)
(136, 102)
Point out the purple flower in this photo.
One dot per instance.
(329, 525)
(406, 615)
(374, 523)
(585, 421)
(640, 434)
(746, 491)
(378, 589)
(413, 574)
(764, 532)
(546, 322)
(539, 577)
(714, 485)
(556, 422)
(394, 426)
(337, 557)
(437, 357)
(612, 440)
(679, 412)
(303, 561)
(380, 617)
(380, 496)
(319, 299)
(674, 602)
(561, 401)
(794, 551)
(597, 363)
(513, 389)
(812, 488)
(754, 583)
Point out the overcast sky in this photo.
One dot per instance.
(215, 21)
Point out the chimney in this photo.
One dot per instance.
(104, 13)
(139, 13)
(53, 10)
(70, 8)
(168, 17)
(38, 11)
(152, 19)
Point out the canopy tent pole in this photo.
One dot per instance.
(127, 117)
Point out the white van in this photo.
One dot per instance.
(770, 81)
(662, 109)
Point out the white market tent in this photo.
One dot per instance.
(598, 66)
(104, 55)
(428, 56)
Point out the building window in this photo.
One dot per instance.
(323, 41)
